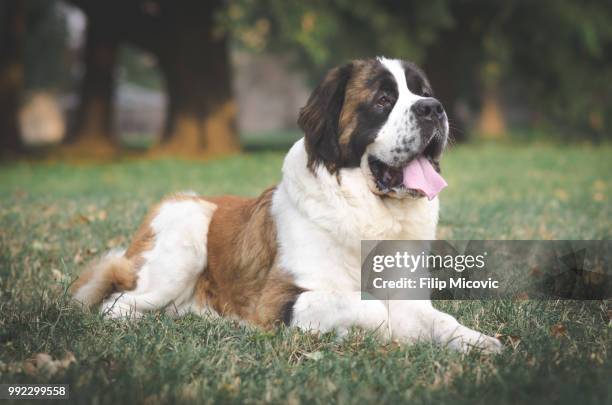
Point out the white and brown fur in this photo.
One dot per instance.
(292, 255)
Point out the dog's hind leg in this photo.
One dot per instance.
(170, 262)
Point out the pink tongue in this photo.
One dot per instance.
(420, 175)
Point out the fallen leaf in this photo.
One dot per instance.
(68, 359)
(544, 233)
(509, 340)
(38, 245)
(314, 355)
(78, 258)
(561, 194)
(558, 330)
(597, 358)
(114, 242)
(29, 367)
(57, 275)
(43, 363)
(81, 219)
(522, 296)
(599, 185)
(535, 271)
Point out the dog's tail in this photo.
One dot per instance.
(110, 273)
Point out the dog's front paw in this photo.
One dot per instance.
(476, 341)
(489, 345)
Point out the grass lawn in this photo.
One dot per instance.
(55, 217)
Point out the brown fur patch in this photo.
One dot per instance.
(331, 115)
(84, 277)
(242, 277)
(122, 275)
(102, 278)
(357, 92)
(319, 119)
(143, 239)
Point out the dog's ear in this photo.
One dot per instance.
(320, 117)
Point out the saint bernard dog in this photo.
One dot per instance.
(366, 168)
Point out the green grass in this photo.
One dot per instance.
(55, 217)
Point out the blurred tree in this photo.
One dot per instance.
(466, 63)
(561, 58)
(12, 28)
(320, 34)
(92, 131)
(190, 41)
(46, 73)
(194, 59)
(553, 57)
(44, 46)
(555, 54)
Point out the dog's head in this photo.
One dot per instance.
(377, 114)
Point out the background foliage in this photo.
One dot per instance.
(497, 67)
(556, 56)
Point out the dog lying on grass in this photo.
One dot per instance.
(366, 168)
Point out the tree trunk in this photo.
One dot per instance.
(447, 90)
(11, 74)
(195, 62)
(491, 123)
(92, 134)
(454, 64)
(194, 59)
(449, 58)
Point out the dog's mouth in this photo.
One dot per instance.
(417, 177)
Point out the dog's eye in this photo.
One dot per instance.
(383, 101)
(426, 93)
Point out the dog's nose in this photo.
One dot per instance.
(428, 109)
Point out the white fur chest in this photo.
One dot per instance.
(321, 222)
